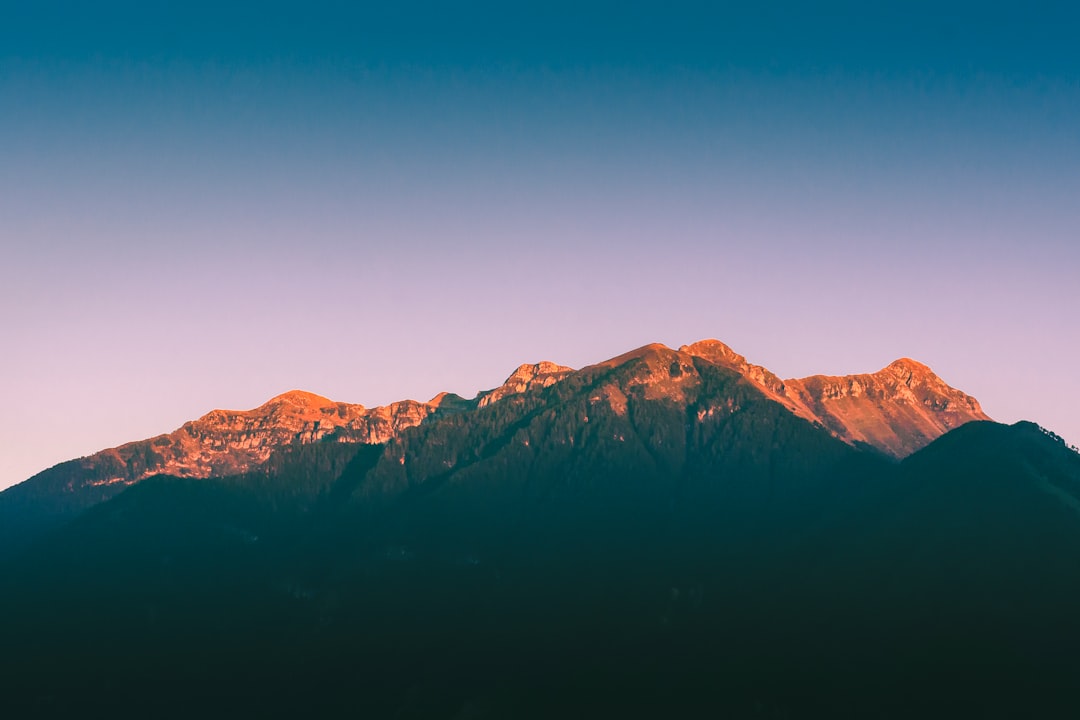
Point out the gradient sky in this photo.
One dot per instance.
(205, 204)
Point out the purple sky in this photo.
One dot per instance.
(190, 229)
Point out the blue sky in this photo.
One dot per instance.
(203, 205)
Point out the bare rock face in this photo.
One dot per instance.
(525, 378)
(658, 373)
(382, 423)
(226, 442)
(720, 354)
(450, 402)
(898, 410)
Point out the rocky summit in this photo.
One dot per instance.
(898, 410)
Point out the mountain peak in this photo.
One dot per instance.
(898, 409)
(652, 350)
(714, 351)
(720, 354)
(526, 377)
(529, 371)
(300, 398)
(448, 401)
(907, 365)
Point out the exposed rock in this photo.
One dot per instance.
(525, 378)
(720, 354)
(450, 402)
(660, 372)
(226, 442)
(898, 410)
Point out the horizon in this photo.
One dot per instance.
(202, 207)
(474, 395)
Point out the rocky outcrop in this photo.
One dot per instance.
(228, 442)
(776, 389)
(898, 410)
(220, 443)
(525, 378)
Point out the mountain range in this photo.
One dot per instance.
(896, 410)
(665, 532)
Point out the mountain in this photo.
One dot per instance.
(653, 534)
(669, 532)
(547, 505)
(525, 378)
(220, 443)
(897, 410)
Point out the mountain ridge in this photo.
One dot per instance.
(657, 523)
(896, 410)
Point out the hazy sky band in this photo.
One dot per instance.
(203, 209)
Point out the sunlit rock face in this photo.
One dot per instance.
(898, 410)
(720, 354)
(227, 442)
(526, 377)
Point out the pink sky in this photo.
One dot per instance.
(180, 238)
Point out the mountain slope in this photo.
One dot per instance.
(475, 559)
(221, 443)
(896, 410)
(653, 411)
(964, 573)
(899, 409)
(661, 533)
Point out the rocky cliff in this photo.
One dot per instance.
(227, 442)
(898, 410)
(525, 378)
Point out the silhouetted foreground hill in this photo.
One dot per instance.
(655, 536)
